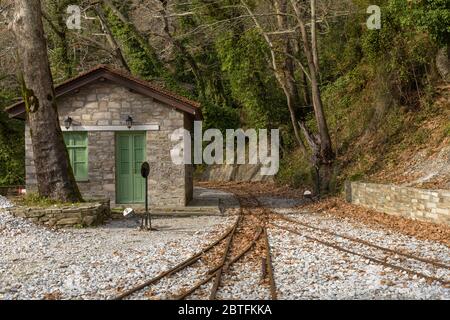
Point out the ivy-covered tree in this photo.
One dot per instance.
(54, 174)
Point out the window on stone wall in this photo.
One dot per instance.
(77, 146)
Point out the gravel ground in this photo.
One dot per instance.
(93, 263)
(305, 269)
(4, 203)
(38, 263)
(243, 282)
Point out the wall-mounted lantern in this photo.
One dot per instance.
(68, 122)
(129, 122)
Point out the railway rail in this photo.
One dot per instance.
(258, 219)
(365, 256)
(390, 253)
(227, 259)
(398, 252)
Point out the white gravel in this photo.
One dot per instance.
(92, 263)
(243, 282)
(4, 203)
(306, 269)
(36, 262)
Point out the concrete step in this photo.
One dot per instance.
(117, 213)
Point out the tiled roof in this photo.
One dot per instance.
(17, 109)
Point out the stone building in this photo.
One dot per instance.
(112, 123)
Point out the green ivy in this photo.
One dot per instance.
(12, 152)
(253, 86)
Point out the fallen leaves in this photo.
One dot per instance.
(419, 229)
(257, 188)
(55, 295)
(387, 282)
(150, 294)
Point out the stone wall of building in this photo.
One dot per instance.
(105, 103)
(420, 204)
(84, 214)
(188, 168)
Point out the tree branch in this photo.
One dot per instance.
(117, 52)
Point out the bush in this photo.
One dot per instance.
(12, 145)
(33, 199)
(296, 171)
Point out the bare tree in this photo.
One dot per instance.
(116, 51)
(283, 70)
(181, 47)
(53, 171)
(311, 56)
(283, 61)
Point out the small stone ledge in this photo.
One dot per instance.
(84, 214)
(418, 204)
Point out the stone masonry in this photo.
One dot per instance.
(83, 214)
(105, 103)
(420, 204)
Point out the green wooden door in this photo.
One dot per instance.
(130, 154)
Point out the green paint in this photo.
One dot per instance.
(30, 100)
(77, 147)
(130, 154)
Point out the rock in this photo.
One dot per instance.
(68, 221)
(89, 220)
(443, 63)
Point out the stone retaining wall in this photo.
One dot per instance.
(420, 204)
(85, 214)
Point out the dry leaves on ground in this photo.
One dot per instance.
(419, 229)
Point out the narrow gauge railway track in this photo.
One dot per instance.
(337, 246)
(214, 274)
(365, 256)
(365, 242)
(186, 263)
(264, 217)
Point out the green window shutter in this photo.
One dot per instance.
(77, 147)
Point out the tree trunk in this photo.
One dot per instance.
(53, 171)
(183, 51)
(324, 160)
(314, 36)
(325, 141)
(326, 150)
(286, 74)
(140, 38)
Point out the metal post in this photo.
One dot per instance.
(145, 171)
(149, 219)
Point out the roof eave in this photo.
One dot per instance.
(17, 110)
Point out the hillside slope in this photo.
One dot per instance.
(387, 100)
(418, 154)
